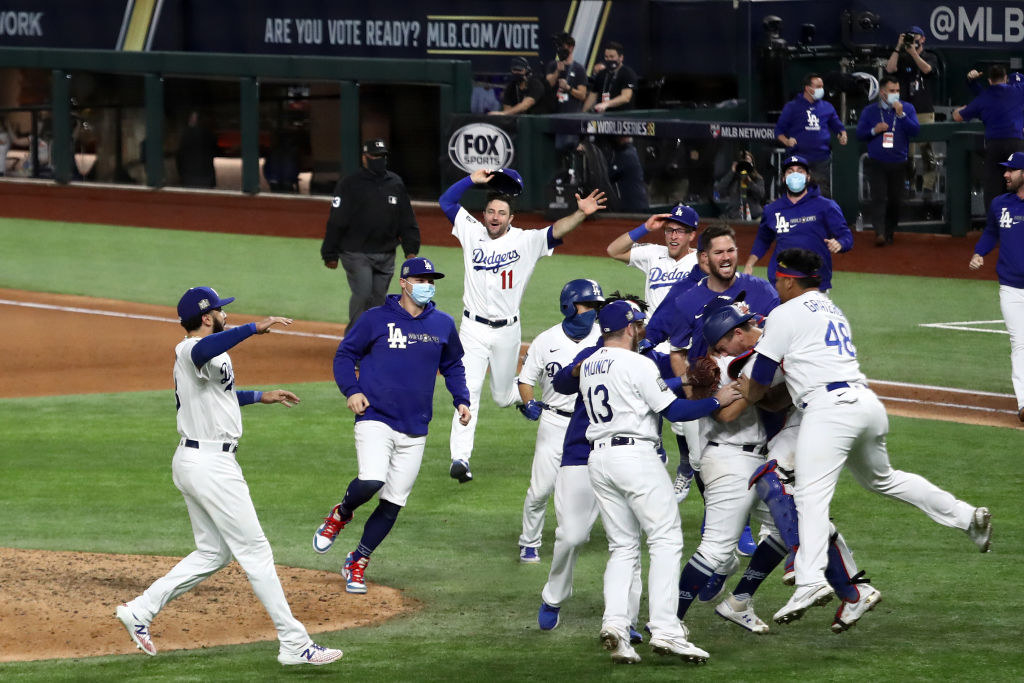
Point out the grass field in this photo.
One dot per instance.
(947, 611)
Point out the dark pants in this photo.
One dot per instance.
(996, 152)
(821, 173)
(628, 175)
(887, 180)
(369, 276)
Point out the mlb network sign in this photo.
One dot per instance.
(480, 145)
(997, 23)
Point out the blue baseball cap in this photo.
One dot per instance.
(795, 160)
(1014, 161)
(723, 314)
(506, 180)
(915, 29)
(200, 300)
(420, 267)
(684, 215)
(617, 315)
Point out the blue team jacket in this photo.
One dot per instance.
(903, 128)
(689, 323)
(812, 124)
(805, 224)
(1005, 227)
(1001, 108)
(399, 357)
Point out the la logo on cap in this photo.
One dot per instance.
(427, 266)
(1010, 158)
(679, 211)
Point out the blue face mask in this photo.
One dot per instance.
(892, 98)
(796, 182)
(579, 325)
(422, 293)
(818, 93)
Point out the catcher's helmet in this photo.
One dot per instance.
(578, 291)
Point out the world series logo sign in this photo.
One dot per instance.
(480, 145)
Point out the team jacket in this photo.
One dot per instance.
(1005, 227)
(399, 357)
(812, 124)
(805, 224)
(370, 214)
(1000, 107)
(902, 127)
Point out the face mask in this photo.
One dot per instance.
(611, 64)
(422, 293)
(579, 325)
(796, 182)
(818, 93)
(892, 98)
(377, 166)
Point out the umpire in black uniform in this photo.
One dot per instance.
(370, 215)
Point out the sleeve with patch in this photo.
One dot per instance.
(651, 387)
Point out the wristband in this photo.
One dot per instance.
(637, 233)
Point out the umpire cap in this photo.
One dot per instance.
(617, 315)
(581, 290)
(722, 314)
(200, 300)
(375, 147)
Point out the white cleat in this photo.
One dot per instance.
(804, 599)
(741, 612)
(137, 629)
(622, 651)
(681, 487)
(679, 647)
(314, 654)
(980, 529)
(849, 613)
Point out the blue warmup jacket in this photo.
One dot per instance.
(689, 323)
(812, 124)
(1005, 227)
(399, 357)
(805, 224)
(903, 128)
(1001, 108)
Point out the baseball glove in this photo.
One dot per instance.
(703, 375)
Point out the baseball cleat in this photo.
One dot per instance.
(804, 599)
(460, 471)
(746, 545)
(325, 534)
(679, 647)
(716, 584)
(635, 637)
(741, 612)
(352, 572)
(137, 629)
(980, 529)
(528, 555)
(681, 486)
(849, 613)
(789, 574)
(547, 616)
(314, 654)
(1020, 414)
(622, 651)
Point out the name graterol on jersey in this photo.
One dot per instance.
(493, 262)
(823, 305)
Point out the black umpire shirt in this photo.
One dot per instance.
(370, 214)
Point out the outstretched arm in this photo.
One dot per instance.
(586, 206)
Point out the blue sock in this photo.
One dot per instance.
(359, 491)
(695, 575)
(684, 457)
(764, 560)
(376, 528)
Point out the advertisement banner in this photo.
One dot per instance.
(476, 141)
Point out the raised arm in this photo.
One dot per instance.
(586, 206)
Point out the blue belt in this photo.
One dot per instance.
(563, 413)
(832, 386)
(226, 447)
(749, 447)
(490, 323)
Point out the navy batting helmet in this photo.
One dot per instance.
(579, 291)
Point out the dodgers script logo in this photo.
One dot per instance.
(480, 145)
(662, 278)
(493, 262)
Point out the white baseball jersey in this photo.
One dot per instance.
(745, 429)
(207, 406)
(814, 338)
(497, 270)
(551, 351)
(623, 393)
(661, 270)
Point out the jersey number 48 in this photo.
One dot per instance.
(839, 337)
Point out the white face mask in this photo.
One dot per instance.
(422, 292)
(818, 93)
(892, 98)
(796, 182)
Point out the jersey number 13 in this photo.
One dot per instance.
(602, 411)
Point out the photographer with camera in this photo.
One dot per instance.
(524, 93)
(740, 192)
(567, 79)
(917, 71)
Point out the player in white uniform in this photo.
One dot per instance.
(552, 350)
(223, 518)
(844, 423)
(499, 260)
(664, 266)
(625, 399)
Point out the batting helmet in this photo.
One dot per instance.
(578, 291)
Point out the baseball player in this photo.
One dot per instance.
(499, 260)
(802, 217)
(223, 518)
(399, 348)
(550, 351)
(623, 395)
(663, 266)
(843, 423)
(1005, 227)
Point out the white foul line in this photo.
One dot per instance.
(139, 316)
(962, 326)
(940, 404)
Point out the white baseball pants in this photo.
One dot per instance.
(388, 456)
(547, 460)
(634, 493)
(224, 523)
(485, 346)
(1011, 302)
(848, 427)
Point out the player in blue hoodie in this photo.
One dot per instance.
(801, 218)
(399, 348)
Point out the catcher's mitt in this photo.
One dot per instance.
(704, 377)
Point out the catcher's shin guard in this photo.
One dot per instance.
(779, 501)
(841, 571)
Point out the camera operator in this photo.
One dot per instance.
(740, 192)
(524, 93)
(917, 71)
(567, 86)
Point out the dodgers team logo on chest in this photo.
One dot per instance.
(1006, 220)
(781, 224)
(552, 368)
(812, 121)
(664, 278)
(493, 261)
